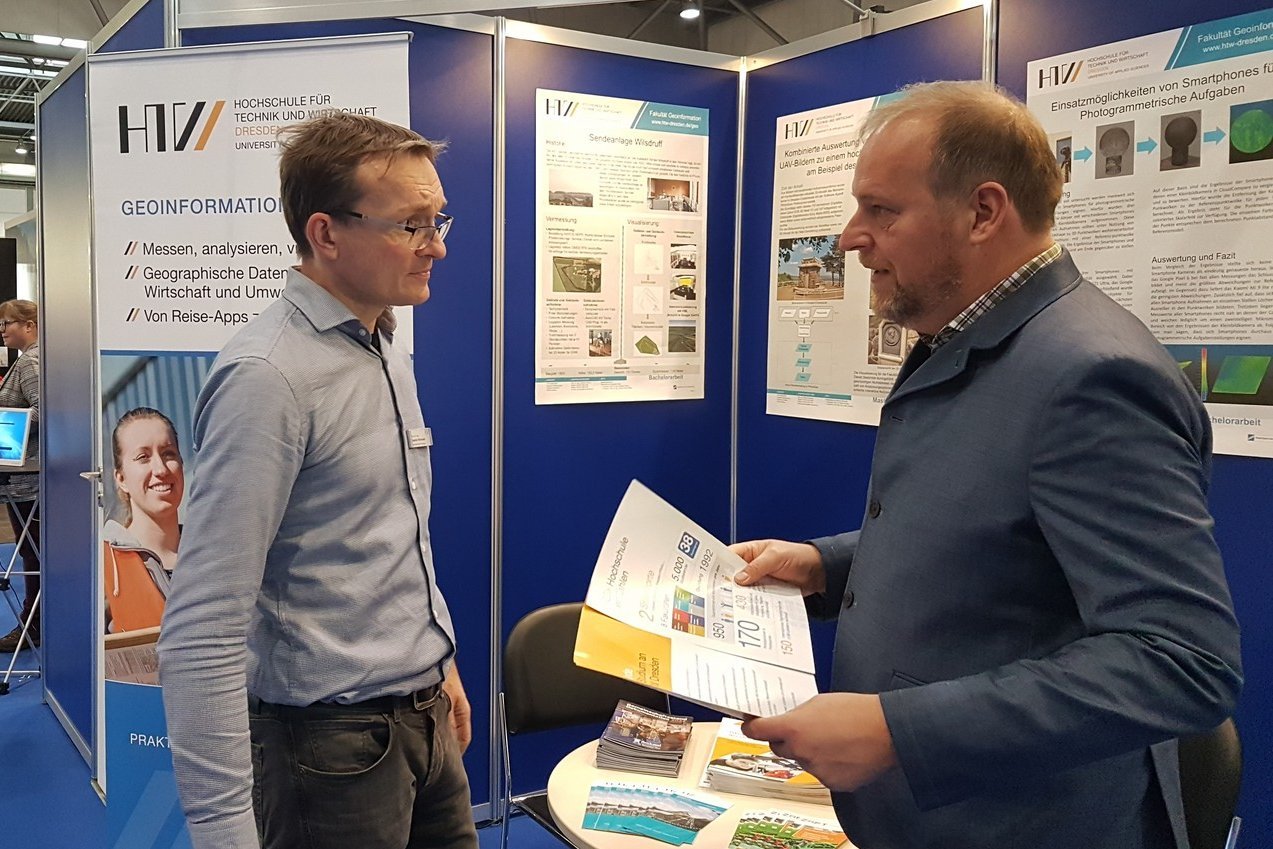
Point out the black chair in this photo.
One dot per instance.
(543, 689)
(1210, 775)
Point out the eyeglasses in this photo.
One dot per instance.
(418, 237)
(5, 322)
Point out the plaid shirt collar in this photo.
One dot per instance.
(988, 301)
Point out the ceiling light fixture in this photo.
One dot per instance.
(20, 150)
(690, 12)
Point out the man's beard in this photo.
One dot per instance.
(915, 300)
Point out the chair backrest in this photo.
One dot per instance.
(1210, 775)
(544, 689)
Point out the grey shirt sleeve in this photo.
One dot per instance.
(249, 436)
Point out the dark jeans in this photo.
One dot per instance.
(30, 560)
(339, 777)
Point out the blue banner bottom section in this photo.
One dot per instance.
(142, 810)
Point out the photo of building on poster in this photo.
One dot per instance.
(830, 356)
(1166, 144)
(621, 202)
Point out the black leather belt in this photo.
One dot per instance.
(417, 701)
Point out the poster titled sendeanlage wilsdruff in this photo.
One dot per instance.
(621, 247)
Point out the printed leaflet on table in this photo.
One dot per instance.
(781, 830)
(663, 611)
(739, 764)
(641, 739)
(650, 811)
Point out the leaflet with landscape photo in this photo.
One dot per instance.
(663, 610)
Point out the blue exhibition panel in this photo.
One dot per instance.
(66, 438)
(70, 635)
(1240, 486)
(567, 466)
(143, 31)
(799, 478)
(451, 84)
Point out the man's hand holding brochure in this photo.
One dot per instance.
(663, 610)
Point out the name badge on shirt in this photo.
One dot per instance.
(419, 437)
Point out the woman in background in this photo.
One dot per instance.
(141, 552)
(19, 328)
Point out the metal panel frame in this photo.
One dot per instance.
(872, 24)
(621, 46)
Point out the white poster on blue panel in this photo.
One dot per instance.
(1166, 145)
(189, 244)
(830, 357)
(621, 249)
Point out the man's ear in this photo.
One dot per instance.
(319, 230)
(991, 209)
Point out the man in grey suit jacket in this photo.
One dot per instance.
(1034, 606)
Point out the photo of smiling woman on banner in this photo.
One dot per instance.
(139, 549)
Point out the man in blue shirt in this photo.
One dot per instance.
(307, 655)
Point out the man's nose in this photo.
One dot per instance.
(435, 248)
(853, 237)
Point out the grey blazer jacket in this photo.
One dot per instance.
(1035, 589)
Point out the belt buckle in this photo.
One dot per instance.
(424, 699)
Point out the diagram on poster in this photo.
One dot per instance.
(830, 357)
(190, 241)
(1166, 146)
(621, 211)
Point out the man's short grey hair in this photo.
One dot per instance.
(981, 134)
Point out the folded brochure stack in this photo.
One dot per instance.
(739, 764)
(639, 739)
(783, 830)
(673, 816)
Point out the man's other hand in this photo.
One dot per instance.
(461, 711)
(842, 738)
(796, 563)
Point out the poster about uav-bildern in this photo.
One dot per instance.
(189, 237)
(1166, 145)
(829, 357)
(620, 250)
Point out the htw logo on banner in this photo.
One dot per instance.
(167, 126)
(560, 108)
(1060, 74)
(796, 129)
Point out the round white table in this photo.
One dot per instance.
(574, 775)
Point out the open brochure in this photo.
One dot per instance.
(663, 610)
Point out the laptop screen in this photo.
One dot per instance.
(15, 428)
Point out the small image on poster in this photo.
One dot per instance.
(621, 202)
